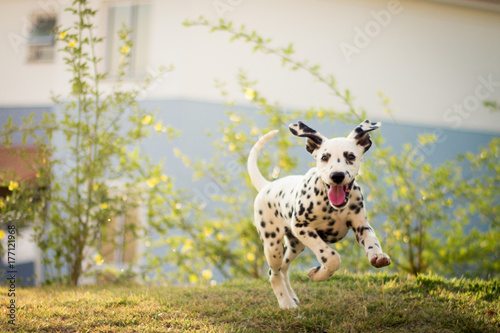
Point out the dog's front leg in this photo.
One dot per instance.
(329, 259)
(366, 238)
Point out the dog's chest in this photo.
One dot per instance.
(306, 199)
(331, 225)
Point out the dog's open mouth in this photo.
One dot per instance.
(339, 195)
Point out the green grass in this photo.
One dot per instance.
(346, 303)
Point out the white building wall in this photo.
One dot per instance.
(431, 59)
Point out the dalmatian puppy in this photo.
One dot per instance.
(313, 210)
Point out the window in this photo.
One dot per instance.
(136, 18)
(41, 42)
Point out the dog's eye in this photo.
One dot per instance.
(351, 157)
(324, 158)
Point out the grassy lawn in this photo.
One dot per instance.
(346, 303)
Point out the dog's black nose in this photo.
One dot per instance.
(337, 177)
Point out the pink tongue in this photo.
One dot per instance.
(336, 195)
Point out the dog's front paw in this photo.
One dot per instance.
(379, 259)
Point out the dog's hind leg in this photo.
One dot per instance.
(272, 238)
(292, 250)
(277, 278)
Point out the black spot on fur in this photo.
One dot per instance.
(360, 230)
(312, 234)
(263, 224)
(323, 259)
(301, 210)
(310, 208)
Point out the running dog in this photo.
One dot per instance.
(315, 209)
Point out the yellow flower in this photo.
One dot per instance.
(146, 120)
(192, 278)
(234, 118)
(125, 49)
(72, 43)
(188, 245)
(159, 126)
(152, 182)
(104, 205)
(62, 35)
(254, 131)
(2, 204)
(98, 259)
(2, 234)
(220, 237)
(321, 113)
(13, 186)
(206, 274)
(250, 256)
(164, 178)
(249, 93)
(208, 231)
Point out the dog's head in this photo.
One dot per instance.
(338, 159)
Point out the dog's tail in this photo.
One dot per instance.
(253, 170)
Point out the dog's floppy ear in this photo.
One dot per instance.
(360, 133)
(314, 139)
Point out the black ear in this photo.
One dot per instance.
(314, 139)
(360, 133)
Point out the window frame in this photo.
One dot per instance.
(111, 45)
(45, 43)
